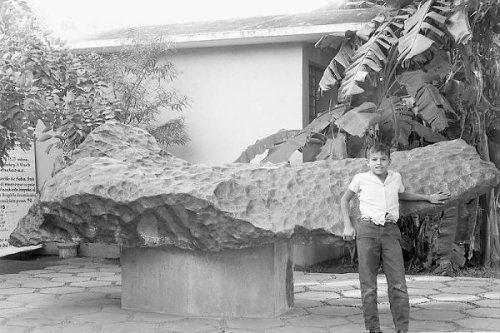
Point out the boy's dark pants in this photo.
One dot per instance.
(376, 243)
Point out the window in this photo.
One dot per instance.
(316, 102)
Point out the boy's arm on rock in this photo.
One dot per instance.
(435, 198)
(349, 232)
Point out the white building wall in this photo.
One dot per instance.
(238, 94)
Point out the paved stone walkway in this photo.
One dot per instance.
(84, 296)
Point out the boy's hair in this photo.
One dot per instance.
(379, 148)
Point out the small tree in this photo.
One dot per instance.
(40, 80)
(139, 75)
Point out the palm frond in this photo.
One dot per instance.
(358, 120)
(333, 74)
(369, 58)
(396, 120)
(428, 20)
(260, 146)
(429, 103)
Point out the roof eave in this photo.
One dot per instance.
(310, 33)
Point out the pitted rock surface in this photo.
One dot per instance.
(121, 188)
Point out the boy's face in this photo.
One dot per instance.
(379, 163)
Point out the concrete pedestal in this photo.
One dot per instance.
(252, 282)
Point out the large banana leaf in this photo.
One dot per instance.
(396, 119)
(427, 20)
(432, 107)
(358, 120)
(425, 132)
(430, 104)
(334, 149)
(458, 25)
(370, 57)
(332, 74)
(260, 146)
(283, 152)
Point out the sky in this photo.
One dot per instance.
(71, 19)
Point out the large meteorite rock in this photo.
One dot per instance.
(122, 189)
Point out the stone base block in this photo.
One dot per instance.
(252, 282)
(67, 250)
(310, 254)
(99, 250)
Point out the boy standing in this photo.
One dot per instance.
(378, 237)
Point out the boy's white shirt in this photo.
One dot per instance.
(377, 199)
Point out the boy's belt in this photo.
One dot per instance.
(369, 219)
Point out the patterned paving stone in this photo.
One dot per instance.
(296, 329)
(17, 312)
(484, 312)
(43, 284)
(426, 284)
(67, 328)
(33, 322)
(454, 297)
(76, 270)
(344, 301)
(329, 310)
(16, 290)
(111, 278)
(255, 324)
(306, 283)
(437, 315)
(96, 274)
(8, 284)
(430, 278)
(74, 297)
(461, 282)
(52, 275)
(491, 295)
(61, 267)
(447, 306)
(12, 329)
(414, 300)
(294, 312)
(100, 302)
(68, 310)
(39, 271)
(488, 303)
(106, 289)
(480, 324)
(319, 277)
(129, 327)
(353, 293)
(154, 317)
(10, 305)
(61, 290)
(462, 290)
(99, 318)
(431, 326)
(350, 328)
(317, 321)
(307, 303)
(190, 325)
(111, 268)
(90, 284)
(421, 292)
(340, 284)
(317, 295)
(29, 298)
(68, 279)
(228, 330)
